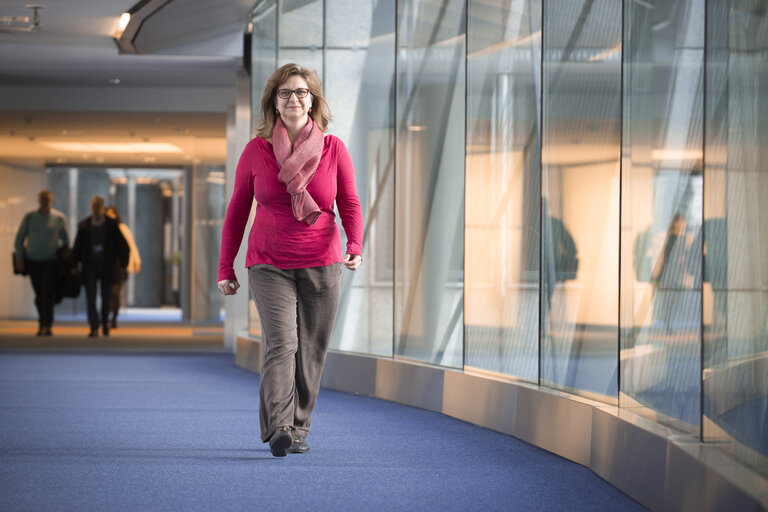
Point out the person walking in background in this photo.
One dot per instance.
(102, 252)
(295, 172)
(134, 263)
(41, 234)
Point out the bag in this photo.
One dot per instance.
(68, 279)
(24, 270)
(15, 270)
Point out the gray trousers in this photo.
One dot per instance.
(297, 309)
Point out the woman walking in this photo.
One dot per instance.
(295, 172)
(134, 262)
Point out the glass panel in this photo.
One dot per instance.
(429, 183)
(263, 63)
(312, 59)
(208, 210)
(263, 54)
(662, 211)
(301, 24)
(503, 187)
(736, 231)
(580, 195)
(359, 86)
(300, 30)
(352, 24)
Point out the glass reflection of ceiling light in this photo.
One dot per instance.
(607, 54)
(417, 128)
(114, 147)
(525, 40)
(676, 154)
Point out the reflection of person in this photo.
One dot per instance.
(44, 230)
(670, 275)
(671, 268)
(134, 263)
(102, 252)
(295, 172)
(560, 251)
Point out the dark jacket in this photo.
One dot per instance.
(116, 249)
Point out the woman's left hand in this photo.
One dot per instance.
(352, 261)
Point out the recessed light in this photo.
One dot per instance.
(114, 81)
(112, 147)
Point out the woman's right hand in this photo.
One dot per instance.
(228, 287)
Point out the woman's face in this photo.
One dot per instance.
(293, 108)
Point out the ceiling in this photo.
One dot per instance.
(72, 49)
(113, 138)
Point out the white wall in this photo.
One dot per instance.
(19, 186)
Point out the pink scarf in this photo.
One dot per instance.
(298, 165)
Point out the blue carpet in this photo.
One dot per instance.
(97, 431)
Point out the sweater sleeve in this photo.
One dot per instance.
(347, 201)
(21, 234)
(237, 212)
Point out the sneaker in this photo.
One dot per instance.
(280, 441)
(47, 331)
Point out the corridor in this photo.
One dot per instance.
(109, 430)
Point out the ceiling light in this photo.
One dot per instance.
(114, 81)
(675, 155)
(123, 22)
(113, 147)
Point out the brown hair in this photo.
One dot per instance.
(320, 113)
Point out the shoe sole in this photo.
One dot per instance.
(279, 446)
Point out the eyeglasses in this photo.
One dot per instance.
(286, 93)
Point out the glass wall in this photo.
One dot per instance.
(351, 44)
(502, 187)
(565, 192)
(429, 181)
(581, 77)
(735, 230)
(154, 205)
(662, 217)
(360, 70)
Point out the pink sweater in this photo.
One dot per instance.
(277, 238)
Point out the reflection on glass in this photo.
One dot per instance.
(429, 192)
(735, 231)
(300, 25)
(263, 53)
(208, 211)
(263, 63)
(580, 191)
(300, 30)
(502, 205)
(662, 205)
(360, 64)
